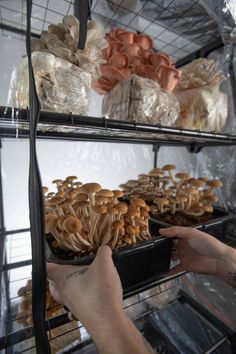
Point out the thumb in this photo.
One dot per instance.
(103, 258)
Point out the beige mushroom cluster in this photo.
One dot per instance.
(62, 41)
(82, 217)
(165, 191)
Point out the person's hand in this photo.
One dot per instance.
(94, 296)
(197, 251)
(89, 292)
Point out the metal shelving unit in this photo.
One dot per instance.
(150, 17)
(14, 123)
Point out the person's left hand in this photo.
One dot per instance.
(89, 292)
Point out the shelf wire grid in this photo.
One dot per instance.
(174, 28)
(137, 307)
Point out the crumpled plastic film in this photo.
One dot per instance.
(224, 13)
(203, 105)
(62, 87)
(213, 294)
(142, 100)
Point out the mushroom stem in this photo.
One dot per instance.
(92, 231)
(82, 240)
(107, 237)
(189, 201)
(115, 237)
(172, 178)
(72, 210)
(60, 211)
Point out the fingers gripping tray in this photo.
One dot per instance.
(137, 266)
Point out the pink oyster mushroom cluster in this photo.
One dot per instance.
(130, 53)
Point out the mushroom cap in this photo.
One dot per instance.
(50, 222)
(173, 201)
(144, 214)
(122, 207)
(112, 210)
(60, 194)
(72, 224)
(132, 212)
(204, 179)
(71, 178)
(196, 182)
(105, 193)
(182, 176)
(208, 208)
(138, 202)
(132, 183)
(55, 201)
(117, 224)
(99, 209)
(67, 202)
(57, 181)
(161, 201)
(123, 186)
(144, 179)
(82, 204)
(118, 193)
(72, 194)
(143, 176)
(169, 192)
(77, 184)
(165, 179)
(191, 191)
(90, 188)
(211, 198)
(45, 189)
(214, 183)
(181, 199)
(99, 199)
(156, 172)
(169, 167)
(82, 197)
(132, 230)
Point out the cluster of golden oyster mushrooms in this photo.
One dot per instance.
(82, 217)
(166, 192)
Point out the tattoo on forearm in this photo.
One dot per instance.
(232, 278)
(77, 273)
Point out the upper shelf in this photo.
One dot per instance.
(14, 123)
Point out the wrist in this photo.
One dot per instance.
(226, 266)
(108, 330)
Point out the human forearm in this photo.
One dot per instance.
(226, 266)
(117, 336)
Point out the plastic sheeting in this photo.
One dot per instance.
(188, 332)
(213, 294)
(61, 86)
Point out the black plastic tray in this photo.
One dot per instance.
(137, 266)
(220, 216)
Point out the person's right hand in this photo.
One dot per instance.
(196, 251)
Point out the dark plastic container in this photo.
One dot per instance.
(137, 266)
(220, 217)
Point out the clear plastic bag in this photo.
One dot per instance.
(203, 106)
(62, 87)
(142, 100)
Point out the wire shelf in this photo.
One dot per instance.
(14, 123)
